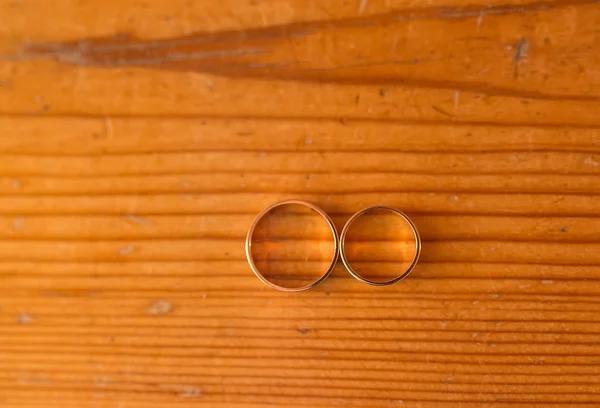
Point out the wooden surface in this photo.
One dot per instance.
(139, 138)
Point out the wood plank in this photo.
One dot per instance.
(140, 138)
(172, 227)
(501, 92)
(106, 136)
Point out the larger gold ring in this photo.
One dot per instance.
(356, 274)
(259, 275)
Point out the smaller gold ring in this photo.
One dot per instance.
(259, 275)
(356, 274)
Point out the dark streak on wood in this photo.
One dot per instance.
(264, 53)
(443, 112)
(522, 49)
(344, 120)
(6, 85)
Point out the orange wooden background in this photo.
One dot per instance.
(138, 138)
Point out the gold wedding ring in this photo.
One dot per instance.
(356, 274)
(263, 279)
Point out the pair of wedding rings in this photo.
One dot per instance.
(338, 247)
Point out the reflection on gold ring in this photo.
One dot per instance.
(322, 277)
(362, 278)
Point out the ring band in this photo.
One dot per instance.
(356, 274)
(263, 279)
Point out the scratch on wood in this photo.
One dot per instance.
(467, 12)
(268, 65)
(18, 223)
(443, 112)
(108, 127)
(479, 21)
(209, 84)
(412, 61)
(548, 282)
(590, 161)
(190, 391)
(362, 6)
(394, 43)
(522, 50)
(160, 307)
(124, 42)
(101, 381)
(24, 318)
(76, 57)
(137, 220)
(126, 250)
